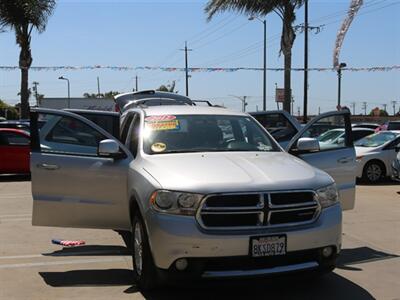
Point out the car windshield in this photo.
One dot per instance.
(330, 136)
(377, 139)
(204, 133)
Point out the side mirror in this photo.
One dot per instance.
(307, 145)
(109, 148)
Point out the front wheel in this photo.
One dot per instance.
(373, 171)
(144, 269)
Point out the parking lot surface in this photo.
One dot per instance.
(31, 267)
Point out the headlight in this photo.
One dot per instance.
(178, 203)
(328, 196)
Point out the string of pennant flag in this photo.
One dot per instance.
(192, 70)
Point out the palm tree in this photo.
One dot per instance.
(23, 16)
(285, 9)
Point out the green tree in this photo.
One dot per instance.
(22, 16)
(90, 95)
(8, 111)
(285, 9)
(167, 88)
(107, 95)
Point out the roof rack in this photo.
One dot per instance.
(202, 101)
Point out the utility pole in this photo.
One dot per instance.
(306, 28)
(298, 111)
(186, 68)
(265, 68)
(243, 99)
(394, 107)
(319, 110)
(305, 101)
(339, 74)
(98, 87)
(292, 104)
(35, 84)
(353, 105)
(136, 83)
(384, 106)
(364, 107)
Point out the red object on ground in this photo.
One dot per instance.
(14, 151)
(67, 243)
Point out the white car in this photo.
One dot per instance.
(337, 136)
(375, 155)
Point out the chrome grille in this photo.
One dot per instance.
(258, 210)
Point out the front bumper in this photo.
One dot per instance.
(173, 237)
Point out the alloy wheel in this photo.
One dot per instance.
(374, 172)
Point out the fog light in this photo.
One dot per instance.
(327, 251)
(181, 264)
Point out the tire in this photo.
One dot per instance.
(144, 269)
(373, 171)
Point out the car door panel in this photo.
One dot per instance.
(71, 189)
(338, 161)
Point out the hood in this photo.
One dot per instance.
(233, 172)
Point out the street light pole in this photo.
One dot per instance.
(265, 67)
(243, 99)
(265, 61)
(68, 86)
(339, 73)
(305, 100)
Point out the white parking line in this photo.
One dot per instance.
(14, 220)
(88, 253)
(12, 196)
(15, 216)
(22, 256)
(56, 263)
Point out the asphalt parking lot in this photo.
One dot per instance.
(33, 268)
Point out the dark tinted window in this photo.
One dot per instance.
(134, 143)
(277, 125)
(13, 139)
(109, 123)
(125, 127)
(73, 131)
(359, 134)
(393, 126)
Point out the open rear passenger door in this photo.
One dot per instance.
(79, 173)
(336, 156)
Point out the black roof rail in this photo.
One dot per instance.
(202, 101)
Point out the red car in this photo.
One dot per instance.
(14, 151)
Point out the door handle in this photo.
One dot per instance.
(344, 160)
(48, 167)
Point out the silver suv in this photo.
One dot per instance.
(205, 192)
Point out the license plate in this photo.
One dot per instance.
(271, 245)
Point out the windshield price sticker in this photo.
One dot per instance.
(268, 246)
(163, 125)
(160, 118)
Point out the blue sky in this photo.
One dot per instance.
(150, 33)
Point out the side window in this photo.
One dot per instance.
(125, 127)
(134, 141)
(359, 134)
(277, 125)
(14, 139)
(3, 140)
(63, 134)
(393, 144)
(330, 132)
